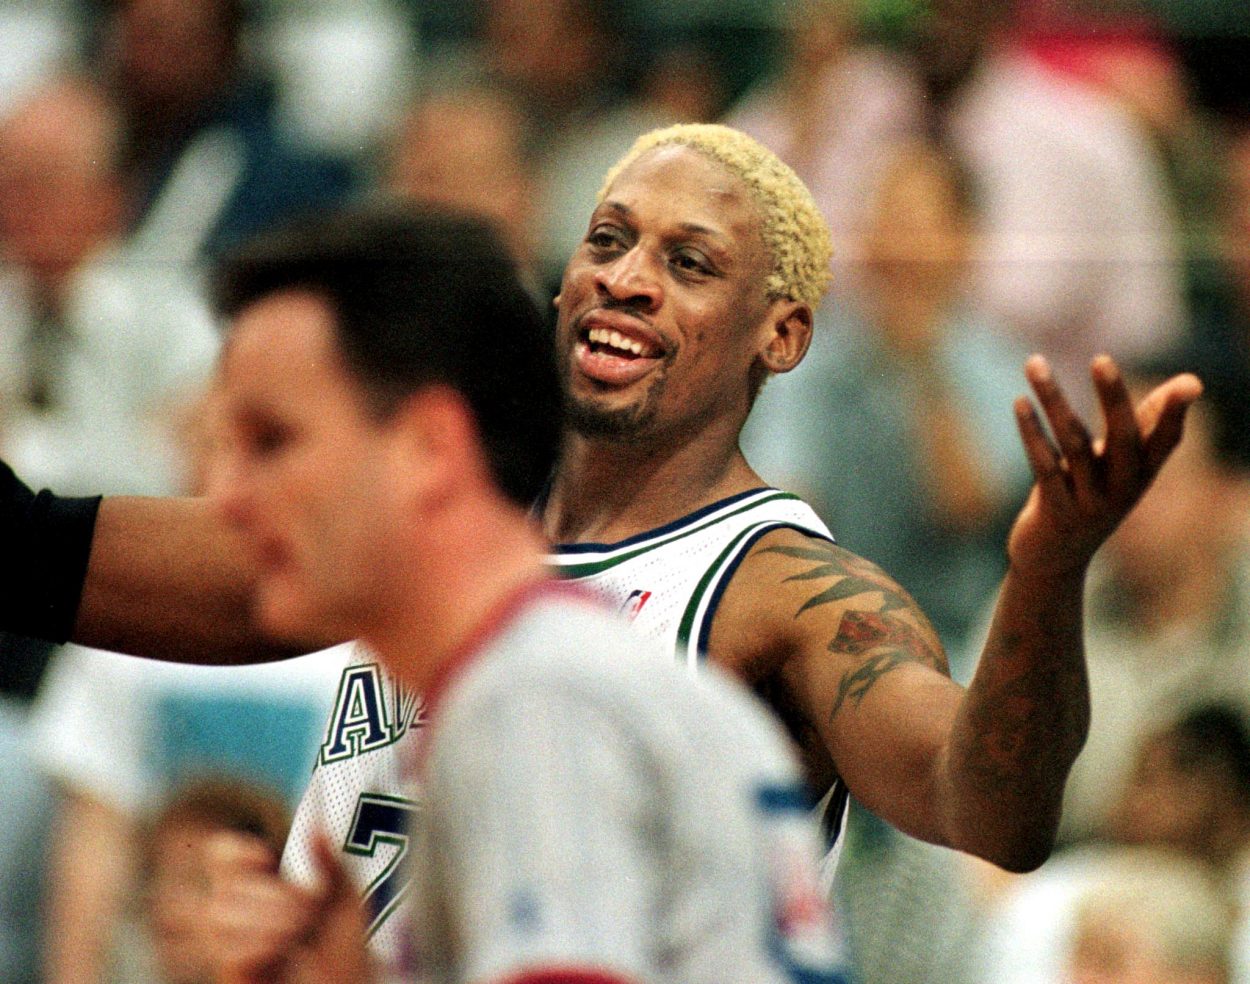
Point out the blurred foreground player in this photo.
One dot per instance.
(390, 409)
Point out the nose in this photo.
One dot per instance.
(630, 280)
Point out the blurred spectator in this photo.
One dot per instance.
(588, 97)
(1080, 253)
(117, 734)
(563, 57)
(165, 945)
(468, 144)
(207, 163)
(833, 112)
(1190, 796)
(684, 82)
(101, 342)
(1189, 789)
(1174, 579)
(1151, 918)
(1133, 63)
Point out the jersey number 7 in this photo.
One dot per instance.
(382, 821)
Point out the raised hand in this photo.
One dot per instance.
(1085, 486)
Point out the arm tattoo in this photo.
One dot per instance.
(880, 635)
(1017, 733)
(886, 642)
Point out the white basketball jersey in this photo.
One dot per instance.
(668, 581)
(359, 798)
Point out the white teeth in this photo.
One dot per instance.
(605, 336)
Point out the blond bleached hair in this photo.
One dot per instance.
(794, 232)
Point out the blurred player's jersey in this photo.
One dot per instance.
(667, 581)
(617, 821)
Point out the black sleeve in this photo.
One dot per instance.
(45, 542)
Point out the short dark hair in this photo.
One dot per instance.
(423, 295)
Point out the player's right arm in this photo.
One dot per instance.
(159, 577)
(166, 579)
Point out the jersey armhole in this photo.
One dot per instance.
(696, 624)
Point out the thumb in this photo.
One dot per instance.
(333, 880)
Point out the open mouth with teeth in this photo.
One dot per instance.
(605, 341)
(615, 358)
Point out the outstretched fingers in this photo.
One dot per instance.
(1070, 461)
(1121, 447)
(1084, 488)
(1161, 417)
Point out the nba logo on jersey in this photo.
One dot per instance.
(633, 604)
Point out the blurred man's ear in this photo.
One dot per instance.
(438, 449)
(788, 335)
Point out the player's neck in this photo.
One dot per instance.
(605, 491)
(470, 563)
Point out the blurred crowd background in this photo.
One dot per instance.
(1064, 176)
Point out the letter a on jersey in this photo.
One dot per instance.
(359, 722)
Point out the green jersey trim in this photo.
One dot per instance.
(585, 560)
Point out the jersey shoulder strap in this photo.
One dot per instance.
(669, 580)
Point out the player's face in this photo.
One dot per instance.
(302, 468)
(662, 304)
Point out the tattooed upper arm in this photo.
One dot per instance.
(853, 609)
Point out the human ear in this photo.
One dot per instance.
(788, 333)
(434, 434)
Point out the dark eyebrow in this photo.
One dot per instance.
(624, 210)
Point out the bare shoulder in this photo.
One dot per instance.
(798, 599)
